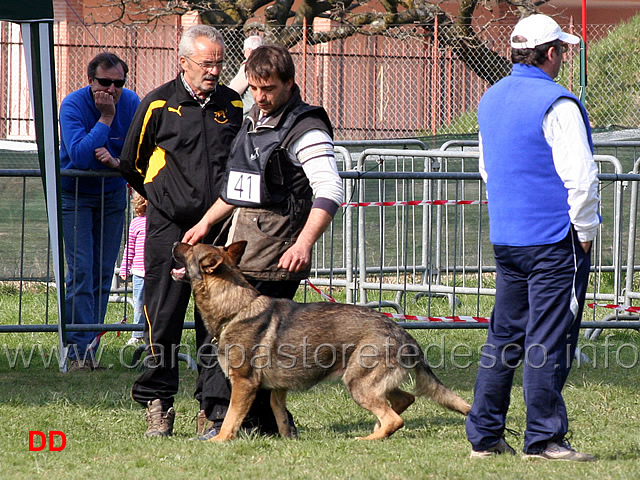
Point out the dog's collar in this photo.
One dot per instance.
(216, 338)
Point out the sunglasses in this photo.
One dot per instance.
(106, 82)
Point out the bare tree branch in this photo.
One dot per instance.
(282, 22)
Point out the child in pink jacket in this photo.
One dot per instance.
(133, 262)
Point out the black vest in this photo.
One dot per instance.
(260, 172)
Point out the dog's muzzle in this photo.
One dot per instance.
(179, 274)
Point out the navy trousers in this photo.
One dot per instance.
(92, 228)
(540, 292)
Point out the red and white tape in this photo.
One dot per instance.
(320, 292)
(92, 346)
(413, 203)
(620, 308)
(454, 319)
(469, 319)
(414, 318)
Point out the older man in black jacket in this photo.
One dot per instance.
(175, 155)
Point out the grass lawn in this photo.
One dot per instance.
(104, 427)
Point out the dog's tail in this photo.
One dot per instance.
(428, 385)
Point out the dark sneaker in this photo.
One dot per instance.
(268, 426)
(93, 364)
(160, 421)
(86, 365)
(202, 423)
(79, 366)
(498, 449)
(274, 431)
(560, 451)
(209, 434)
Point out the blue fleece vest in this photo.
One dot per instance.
(527, 199)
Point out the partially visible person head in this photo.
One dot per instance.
(201, 56)
(251, 43)
(269, 60)
(106, 72)
(271, 76)
(139, 204)
(534, 36)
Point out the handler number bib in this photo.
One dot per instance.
(243, 186)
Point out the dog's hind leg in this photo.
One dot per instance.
(400, 401)
(388, 420)
(243, 392)
(279, 407)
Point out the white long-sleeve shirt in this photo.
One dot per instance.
(564, 130)
(314, 151)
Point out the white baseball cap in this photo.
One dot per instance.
(539, 29)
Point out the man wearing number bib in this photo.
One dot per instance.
(283, 188)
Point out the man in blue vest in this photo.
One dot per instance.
(536, 157)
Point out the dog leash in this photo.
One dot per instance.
(322, 294)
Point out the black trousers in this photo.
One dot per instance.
(165, 302)
(214, 389)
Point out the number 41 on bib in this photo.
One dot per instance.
(243, 186)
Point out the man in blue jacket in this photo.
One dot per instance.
(93, 125)
(542, 189)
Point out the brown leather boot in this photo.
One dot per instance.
(160, 422)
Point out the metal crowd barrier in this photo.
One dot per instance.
(414, 227)
(416, 222)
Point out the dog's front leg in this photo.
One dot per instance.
(279, 407)
(243, 392)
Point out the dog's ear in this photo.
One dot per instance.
(211, 262)
(235, 250)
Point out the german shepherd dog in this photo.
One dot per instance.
(280, 345)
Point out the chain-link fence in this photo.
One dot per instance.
(403, 85)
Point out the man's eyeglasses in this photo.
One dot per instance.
(106, 82)
(207, 65)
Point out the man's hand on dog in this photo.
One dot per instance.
(196, 233)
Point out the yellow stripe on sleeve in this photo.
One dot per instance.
(157, 161)
(152, 106)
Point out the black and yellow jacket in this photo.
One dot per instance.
(176, 151)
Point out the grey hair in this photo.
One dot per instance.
(185, 47)
(253, 42)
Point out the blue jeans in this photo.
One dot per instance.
(92, 232)
(138, 301)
